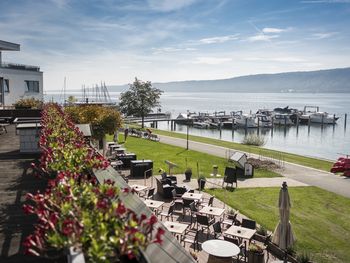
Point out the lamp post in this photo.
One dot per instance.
(188, 115)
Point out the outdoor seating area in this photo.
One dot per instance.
(204, 225)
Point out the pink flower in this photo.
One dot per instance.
(160, 233)
(120, 209)
(67, 227)
(28, 209)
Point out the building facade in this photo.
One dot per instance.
(18, 81)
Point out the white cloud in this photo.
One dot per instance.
(211, 60)
(277, 59)
(268, 30)
(220, 39)
(323, 35)
(262, 37)
(169, 5)
(60, 3)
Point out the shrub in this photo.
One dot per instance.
(304, 257)
(103, 119)
(74, 211)
(253, 139)
(29, 103)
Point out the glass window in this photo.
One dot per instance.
(32, 86)
(6, 85)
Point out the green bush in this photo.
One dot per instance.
(253, 139)
(29, 103)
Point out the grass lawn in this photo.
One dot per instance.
(320, 219)
(289, 157)
(159, 152)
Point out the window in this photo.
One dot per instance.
(32, 86)
(6, 85)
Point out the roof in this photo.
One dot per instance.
(9, 46)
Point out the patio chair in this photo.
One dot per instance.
(217, 230)
(242, 248)
(194, 212)
(192, 239)
(177, 200)
(204, 223)
(229, 220)
(150, 194)
(247, 223)
(230, 177)
(186, 206)
(168, 213)
(208, 203)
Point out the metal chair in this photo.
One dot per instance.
(204, 222)
(149, 195)
(241, 246)
(193, 211)
(169, 213)
(247, 223)
(217, 230)
(230, 221)
(192, 240)
(209, 203)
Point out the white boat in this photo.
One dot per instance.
(317, 116)
(263, 121)
(282, 119)
(245, 120)
(201, 125)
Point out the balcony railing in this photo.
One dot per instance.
(19, 66)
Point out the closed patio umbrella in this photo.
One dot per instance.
(283, 235)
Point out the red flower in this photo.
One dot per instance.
(160, 233)
(110, 192)
(152, 220)
(28, 209)
(102, 204)
(67, 227)
(120, 209)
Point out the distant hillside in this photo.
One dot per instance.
(321, 81)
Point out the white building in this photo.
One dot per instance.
(18, 81)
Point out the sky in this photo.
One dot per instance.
(172, 40)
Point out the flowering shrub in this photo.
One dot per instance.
(102, 119)
(74, 210)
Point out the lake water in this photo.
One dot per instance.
(327, 142)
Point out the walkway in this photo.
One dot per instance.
(15, 181)
(310, 176)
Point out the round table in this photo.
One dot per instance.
(220, 250)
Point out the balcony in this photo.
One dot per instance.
(19, 66)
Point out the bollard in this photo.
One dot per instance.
(345, 117)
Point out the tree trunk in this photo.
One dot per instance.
(143, 119)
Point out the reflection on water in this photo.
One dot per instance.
(303, 139)
(314, 140)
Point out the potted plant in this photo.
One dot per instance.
(304, 257)
(261, 234)
(194, 255)
(188, 174)
(255, 254)
(231, 214)
(201, 182)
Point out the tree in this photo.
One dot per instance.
(140, 99)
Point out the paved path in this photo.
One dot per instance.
(325, 180)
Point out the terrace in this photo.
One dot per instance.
(16, 66)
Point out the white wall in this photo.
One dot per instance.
(17, 84)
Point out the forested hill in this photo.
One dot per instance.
(321, 81)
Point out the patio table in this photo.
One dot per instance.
(212, 211)
(138, 188)
(153, 203)
(220, 250)
(175, 227)
(192, 196)
(241, 232)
